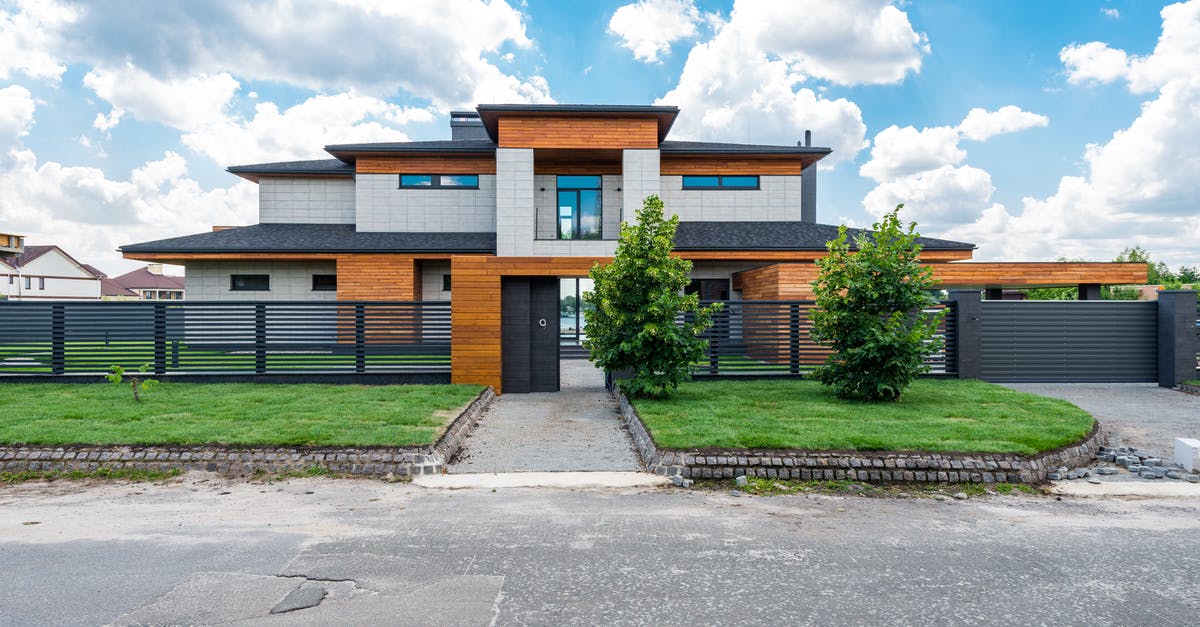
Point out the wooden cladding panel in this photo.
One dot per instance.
(378, 277)
(577, 132)
(788, 281)
(720, 164)
(426, 165)
(567, 168)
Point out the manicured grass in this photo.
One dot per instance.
(1193, 382)
(946, 415)
(229, 413)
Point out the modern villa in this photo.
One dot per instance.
(505, 219)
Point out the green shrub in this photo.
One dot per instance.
(138, 383)
(869, 311)
(637, 299)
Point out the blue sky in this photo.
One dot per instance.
(1034, 129)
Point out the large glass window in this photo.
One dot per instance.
(580, 207)
(572, 310)
(720, 182)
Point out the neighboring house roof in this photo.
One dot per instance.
(322, 167)
(94, 270)
(32, 253)
(323, 238)
(776, 236)
(144, 279)
(110, 287)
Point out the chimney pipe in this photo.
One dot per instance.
(807, 139)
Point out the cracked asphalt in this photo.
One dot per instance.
(208, 550)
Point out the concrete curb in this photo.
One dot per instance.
(871, 467)
(596, 479)
(236, 460)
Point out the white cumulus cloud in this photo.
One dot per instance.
(980, 124)
(1093, 62)
(649, 27)
(27, 37)
(16, 114)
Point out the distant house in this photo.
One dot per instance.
(11, 245)
(48, 273)
(148, 283)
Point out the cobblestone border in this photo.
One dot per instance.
(1189, 389)
(857, 466)
(236, 460)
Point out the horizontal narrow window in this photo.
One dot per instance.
(324, 282)
(578, 182)
(439, 181)
(720, 182)
(250, 282)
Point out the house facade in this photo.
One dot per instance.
(47, 273)
(505, 219)
(148, 283)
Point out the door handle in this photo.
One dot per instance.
(542, 323)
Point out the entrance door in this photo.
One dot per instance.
(529, 316)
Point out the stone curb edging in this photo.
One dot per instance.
(856, 466)
(1189, 389)
(235, 460)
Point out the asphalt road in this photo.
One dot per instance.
(210, 550)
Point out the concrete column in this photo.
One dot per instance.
(1089, 291)
(515, 219)
(639, 179)
(968, 345)
(1177, 337)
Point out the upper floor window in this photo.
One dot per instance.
(720, 182)
(439, 181)
(250, 282)
(580, 207)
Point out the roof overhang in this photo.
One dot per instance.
(490, 114)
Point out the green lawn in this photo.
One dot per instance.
(943, 415)
(229, 413)
(1193, 382)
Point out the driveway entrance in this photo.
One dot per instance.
(575, 429)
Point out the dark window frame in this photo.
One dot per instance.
(446, 282)
(41, 283)
(435, 181)
(234, 288)
(577, 218)
(721, 182)
(324, 288)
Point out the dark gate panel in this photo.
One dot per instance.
(1069, 341)
(529, 320)
(514, 335)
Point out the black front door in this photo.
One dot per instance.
(529, 315)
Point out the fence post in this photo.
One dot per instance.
(260, 339)
(968, 311)
(1177, 337)
(794, 338)
(360, 339)
(160, 338)
(58, 339)
(714, 344)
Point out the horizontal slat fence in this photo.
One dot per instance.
(757, 337)
(225, 338)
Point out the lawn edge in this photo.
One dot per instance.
(372, 461)
(867, 466)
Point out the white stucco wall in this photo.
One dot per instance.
(381, 206)
(209, 280)
(51, 277)
(778, 199)
(306, 201)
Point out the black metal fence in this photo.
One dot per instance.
(772, 338)
(225, 338)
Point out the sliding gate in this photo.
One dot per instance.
(1069, 341)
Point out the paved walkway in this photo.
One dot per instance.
(576, 429)
(1141, 415)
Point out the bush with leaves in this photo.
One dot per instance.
(635, 306)
(870, 310)
(137, 382)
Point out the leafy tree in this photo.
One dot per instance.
(870, 311)
(637, 300)
(1189, 274)
(567, 307)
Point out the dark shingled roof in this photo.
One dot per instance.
(442, 145)
(314, 238)
(775, 236)
(318, 166)
(676, 147)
